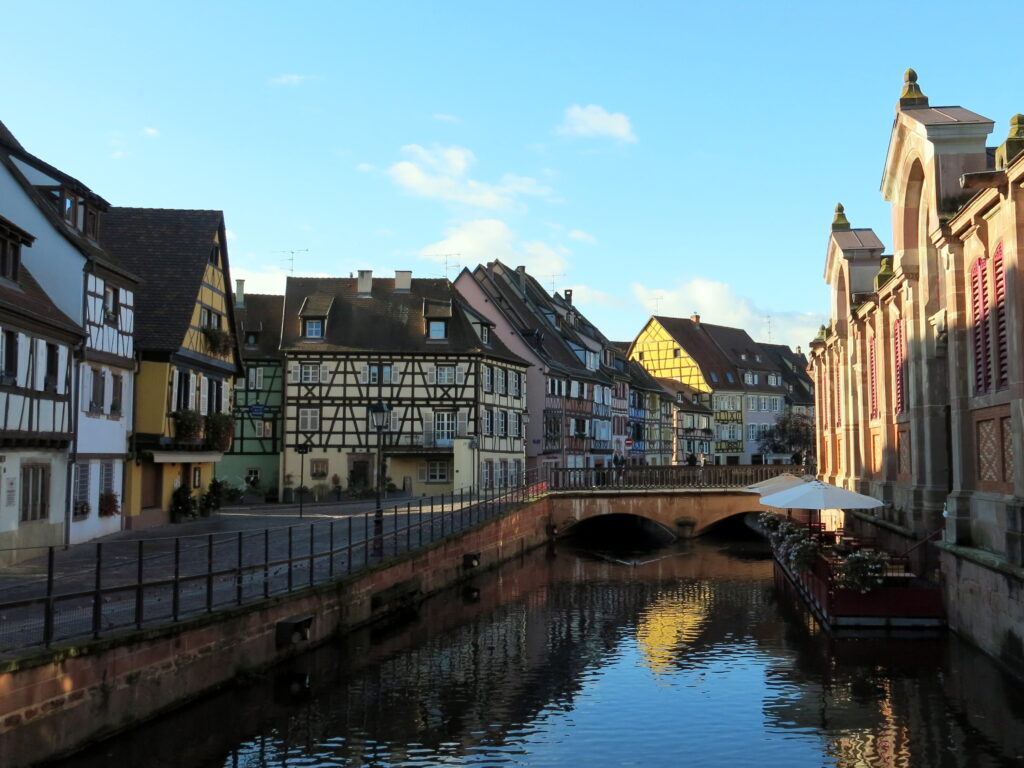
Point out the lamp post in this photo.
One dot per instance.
(378, 416)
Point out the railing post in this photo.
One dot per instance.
(311, 559)
(97, 600)
(238, 573)
(209, 573)
(48, 614)
(266, 562)
(366, 539)
(408, 526)
(139, 598)
(348, 547)
(289, 558)
(330, 548)
(177, 574)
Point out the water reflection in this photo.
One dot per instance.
(683, 657)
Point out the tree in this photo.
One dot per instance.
(792, 432)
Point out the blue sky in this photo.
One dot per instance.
(670, 156)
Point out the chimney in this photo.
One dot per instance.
(403, 280)
(695, 318)
(240, 293)
(364, 283)
(568, 296)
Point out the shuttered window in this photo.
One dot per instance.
(980, 330)
(1000, 353)
(898, 344)
(873, 377)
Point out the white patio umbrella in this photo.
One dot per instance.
(774, 484)
(819, 495)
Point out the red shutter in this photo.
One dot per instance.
(897, 350)
(980, 333)
(873, 376)
(1000, 353)
(838, 401)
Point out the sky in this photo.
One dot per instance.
(663, 158)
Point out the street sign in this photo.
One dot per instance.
(302, 449)
(629, 442)
(256, 410)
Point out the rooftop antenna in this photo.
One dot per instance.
(290, 258)
(553, 277)
(444, 258)
(657, 304)
(768, 319)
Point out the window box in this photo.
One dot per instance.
(109, 504)
(110, 318)
(187, 425)
(220, 430)
(217, 341)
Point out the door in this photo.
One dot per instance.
(152, 485)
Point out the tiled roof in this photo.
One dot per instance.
(640, 378)
(794, 372)
(171, 249)
(386, 321)
(677, 387)
(262, 315)
(28, 299)
(702, 348)
(10, 148)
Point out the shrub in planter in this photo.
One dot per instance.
(217, 341)
(803, 551)
(214, 495)
(220, 430)
(187, 425)
(863, 571)
(183, 504)
(108, 504)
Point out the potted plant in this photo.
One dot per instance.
(220, 430)
(82, 509)
(183, 505)
(336, 486)
(863, 571)
(115, 406)
(109, 504)
(217, 341)
(187, 425)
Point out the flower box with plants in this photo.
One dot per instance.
(217, 341)
(109, 505)
(863, 571)
(220, 430)
(188, 426)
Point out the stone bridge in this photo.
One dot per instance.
(685, 501)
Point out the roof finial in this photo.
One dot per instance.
(839, 221)
(1010, 149)
(1017, 126)
(912, 95)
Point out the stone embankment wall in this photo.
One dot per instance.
(57, 701)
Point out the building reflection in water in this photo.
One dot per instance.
(561, 658)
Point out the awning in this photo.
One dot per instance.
(186, 457)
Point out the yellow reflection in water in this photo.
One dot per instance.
(670, 622)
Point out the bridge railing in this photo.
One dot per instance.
(726, 476)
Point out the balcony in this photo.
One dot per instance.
(601, 446)
(416, 442)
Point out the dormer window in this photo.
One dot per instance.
(313, 329)
(252, 339)
(69, 208)
(437, 330)
(92, 223)
(10, 257)
(485, 334)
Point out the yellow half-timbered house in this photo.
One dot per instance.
(186, 341)
(455, 394)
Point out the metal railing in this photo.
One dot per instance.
(111, 587)
(714, 476)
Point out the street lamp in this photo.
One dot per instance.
(378, 417)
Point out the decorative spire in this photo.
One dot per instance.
(839, 221)
(884, 274)
(1010, 149)
(912, 95)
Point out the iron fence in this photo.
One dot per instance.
(109, 587)
(719, 476)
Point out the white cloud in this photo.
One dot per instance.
(719, 304)
(595, 121)
(265, 279)
(364, 168)
(441, 173)
(229, 234)
(583, 237)
(446, 118)
(118, 154)
(484, 240)
(289, 79)
(150, 131)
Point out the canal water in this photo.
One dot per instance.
(684, 656)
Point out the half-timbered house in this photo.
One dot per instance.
(569, 395)
(91, 286)
(186, 339)
(456, 395)
(254, 460)
(36, 405)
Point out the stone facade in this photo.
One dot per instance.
(920, 373)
